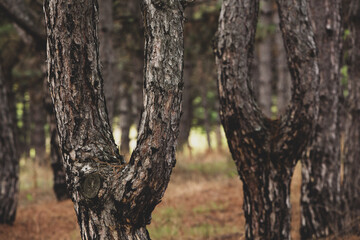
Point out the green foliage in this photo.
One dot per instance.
(210, 169)
(264, 30)
(168, 218)
(346, 34)
(344, 80)
(207, 208)
(29, 197)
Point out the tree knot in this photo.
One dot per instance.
(90, 185)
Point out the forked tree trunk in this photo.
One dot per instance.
(351, 183)
(266, 151)
(320, 191)
(114, 199)
(9, 161)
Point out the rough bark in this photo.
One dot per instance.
(320, 191)
(9, 161)
(60, 188)
(351, 180)
(265, 151)
(107, 57)
(265, 59)
(114, 199)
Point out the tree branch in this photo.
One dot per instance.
(17, 12)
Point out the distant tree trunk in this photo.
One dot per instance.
(60, 188)
(204, 104)
(320, 191)
(265, 151)
(37, 124)
(107, 53)
(114, 199)
(265, 59)
(283, 84)
(9, 161)
(125, 114)
(187, 109)
(25, 130)
(351, 183)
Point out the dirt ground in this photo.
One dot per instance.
(203, 201)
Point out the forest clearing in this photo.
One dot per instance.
(203, 201)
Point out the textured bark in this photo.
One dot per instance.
(60, 188)
(265, 151)
(320, 191)
(107, 57)
(37, 123)
(351, 180)
(265, 59)
(114, 199)
(9, 161)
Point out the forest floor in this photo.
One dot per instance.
(203, 201)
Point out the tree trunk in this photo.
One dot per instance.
(60, 188)
(265, 151)
(114, 199)
(283, 77)
(265, 66)
(187, 109)
(107, 58)
(37, 124)
(320, 191)
(204, 103)
(19, 13)
(9, 161)
(351, 180)
(125, 114)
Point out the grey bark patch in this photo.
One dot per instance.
(91, 185)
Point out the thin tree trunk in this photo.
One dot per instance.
(283, 84)
(60, 188)
(125, 114)
(320, 191)
(204, 104)
(25, 130)
(9, 161)
(187, 109)
(265, 59)
(37, 123)
(19, 13)
(351, 182)
(107, 58)
(114, 199)
(265, 151)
